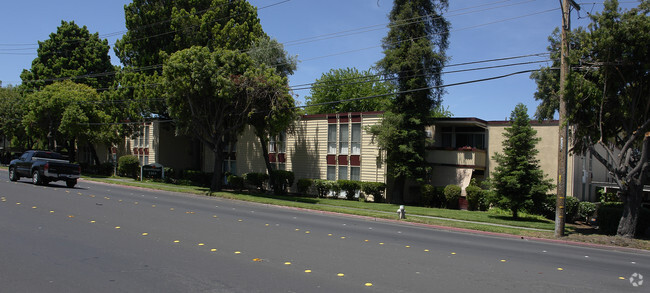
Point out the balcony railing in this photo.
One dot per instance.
(468, 157)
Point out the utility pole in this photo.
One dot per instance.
(560, 219)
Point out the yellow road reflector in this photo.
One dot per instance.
(171, 209)
(342, 237)
(408, 246)
(621, 278)
(117, 227)
(266, 225)
(560, 269)
(453, 253)
(340, 275)
(93, 221)
(307, 271)
(145, 234)
(17, 203)
(426, 250)
(257, 259)
(33, 207)
(503, 260)
(201, 244)
(213, 249)
(368, 284)
(70, 216)
(177, 241)
(366, 240)
(381, 243)
(287, 263)
(51, 212)
(153, 205)
(237, 252)
(307, 232)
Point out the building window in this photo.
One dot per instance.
(331, 173)
(281, 142)
(355, 173)
(146, 136)
(343, 172)
(343, 139)
(356, 139)
(272, 144)
(331, 139)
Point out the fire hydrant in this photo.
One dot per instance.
(401, 214)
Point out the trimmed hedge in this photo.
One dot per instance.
(474, 197)
(303, 185)
(282, 181)
(236, 182)
(322, 187)
(452, 194)
(376, 189)
(433, 196)
(258, 180)
(350, 187)
(128, 166)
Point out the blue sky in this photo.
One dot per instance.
(342, 33)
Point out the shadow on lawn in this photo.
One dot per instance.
(520, 219)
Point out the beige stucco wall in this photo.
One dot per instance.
(547, 151)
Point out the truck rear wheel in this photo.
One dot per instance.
(71, 183)
(12, 174)
(36, 178)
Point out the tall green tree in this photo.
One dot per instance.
(518, 177)
(12, 108)
(414, 57)
(60, 115)
(70, 53)
(156, 29)
(608, 104)
(207, 96)
(274, 110)
(333, 90)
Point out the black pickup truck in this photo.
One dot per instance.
(44, 167)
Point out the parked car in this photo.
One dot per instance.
(44, 167)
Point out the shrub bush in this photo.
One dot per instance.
(303, 185)
(452, 194)
(609, 215)
(128, 166)
(571, 208)
(474, 197)
(586, 210)
(376, 189)
(197, 177)
(428, 193)
(282, 180)
(258, 180)
(236, 182)
(335, 189)
(322, 187)
(350, 187)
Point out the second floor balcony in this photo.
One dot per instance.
(463, 157)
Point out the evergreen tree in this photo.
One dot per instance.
(518, 177)
(70, 52)
(414, 57)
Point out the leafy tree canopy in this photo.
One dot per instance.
(607, 98)
(61, 113)
(172, 25)
(336, 90)
(71, 52)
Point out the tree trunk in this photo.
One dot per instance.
(396, 195)
(218, 170)
(93, 153)
(631, 203)
(269, 168)
(515, 213)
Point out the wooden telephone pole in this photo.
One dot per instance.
(560, 219)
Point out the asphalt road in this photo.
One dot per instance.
(105, 238)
